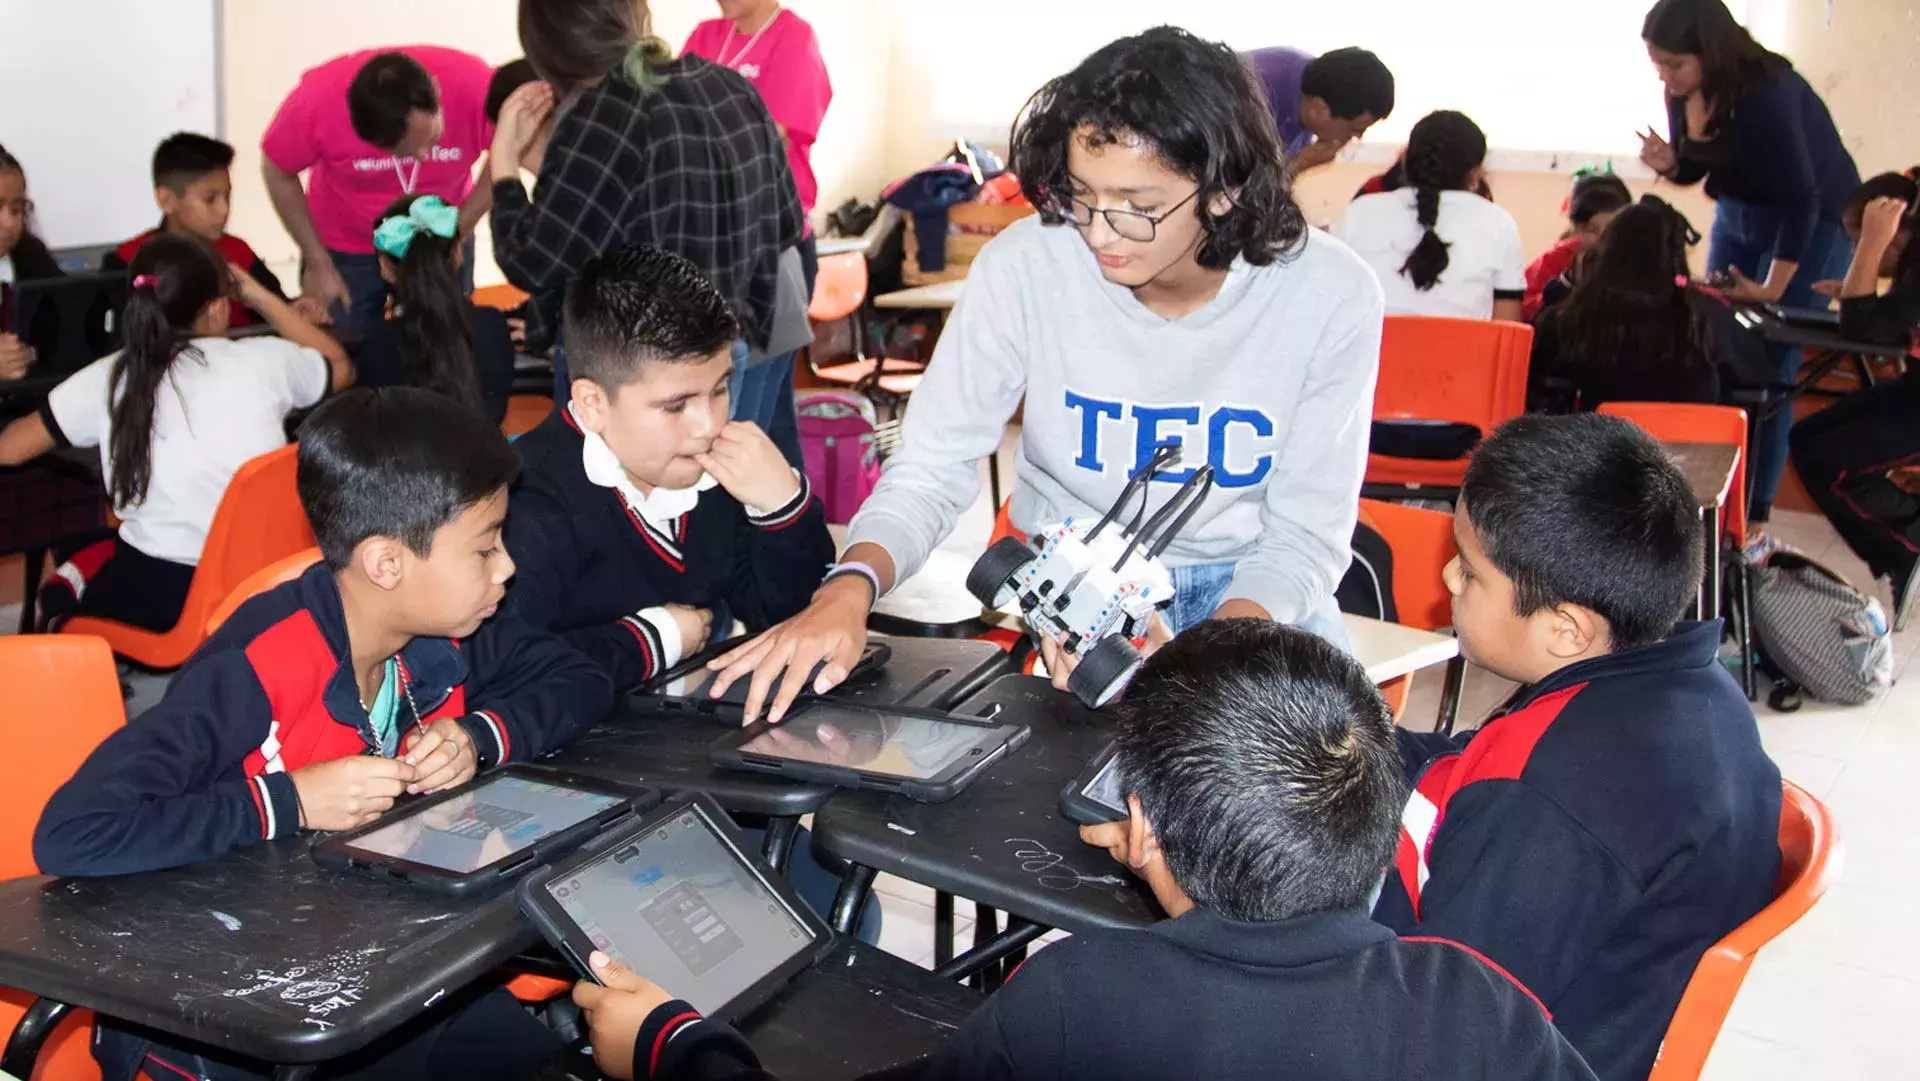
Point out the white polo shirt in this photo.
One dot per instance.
(1484, 256)
(215, 410)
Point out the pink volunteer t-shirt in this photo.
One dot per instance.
(352, 180)
(783, 62)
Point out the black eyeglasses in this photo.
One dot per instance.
(1129, 224)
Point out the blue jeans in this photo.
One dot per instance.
(763, 394)
(1200, 588)
(1743, 236)
(361, 272)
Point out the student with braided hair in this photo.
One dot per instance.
(1438, 248)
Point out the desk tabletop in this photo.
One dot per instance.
(858, 1011)
(1389, 650)
(840, 245)
(260, 951)
(1002, 842)
(662, 742)
(1780, 332)
(1709, 469)
(941, 296)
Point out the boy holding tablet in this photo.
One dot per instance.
(1169, 290)
(381, 671)
(644, 522)
(1263, 785)
(1618, 815)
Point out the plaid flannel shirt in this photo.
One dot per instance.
(695, 166)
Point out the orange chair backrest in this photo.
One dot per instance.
(1688, 422)
(267, 577)
(259, 522)
(1422, 544)
(1470, 371)
(1809, 862)
(63, 698)
(840, 287)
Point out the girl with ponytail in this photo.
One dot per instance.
(175, 413)
(435, 337)
(1438, 248)
(1860, 456)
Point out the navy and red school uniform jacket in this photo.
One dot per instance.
(1330, 996)
(231, 248)
(209, 769)
(1595, 837)
(588, 564)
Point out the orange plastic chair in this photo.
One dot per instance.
(273, 574)
(1809, 864)
(1686, 422)
(1422, 545)
(838, 293)
(1468, 371)
(504, 297)
(71, 678)
(524, 413)
(258, 522)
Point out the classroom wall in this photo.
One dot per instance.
(269, 43)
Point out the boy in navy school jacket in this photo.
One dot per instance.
(644, 521)
(1618, 815)
(1264, 786)
(267, 729)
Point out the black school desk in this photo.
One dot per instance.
(1829, 350)
(260, 952)
(1002, 842)
(656, 742)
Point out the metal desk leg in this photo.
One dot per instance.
(942, 927)
(778, 846)
(1709, 599)
(30, 1034)
(36, 565)
(294, 1073)
(855, 887)
(987, 956)
(986, 927)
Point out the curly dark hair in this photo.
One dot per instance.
(1442, 151)
(1196, 105)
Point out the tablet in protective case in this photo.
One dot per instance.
(1096, 796)
(485, 831)
(922, 754)
(677, 896)
(683, 688)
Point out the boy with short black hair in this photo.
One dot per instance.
(1322, 103)
(644, 522)
(193, 185)
(380, 672)
(1263, 786)
(1618, 815)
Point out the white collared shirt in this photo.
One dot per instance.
(658, 508)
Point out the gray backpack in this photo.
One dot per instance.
(1816, 629)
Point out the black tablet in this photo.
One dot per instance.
(489, 829)
(685, 685)
(1808, 318)
(1096, 795)
(676, 897)
(922, 754)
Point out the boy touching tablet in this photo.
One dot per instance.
(644, 522)
(379, 672)
(1262, 788)
(1618, 815)
(1168, 291)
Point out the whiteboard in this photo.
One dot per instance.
(87, 89)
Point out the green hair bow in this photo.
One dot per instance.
(393, 236)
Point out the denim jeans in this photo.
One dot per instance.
(1743, 236)
(1200, 588)
(763, 394)
(361, 272)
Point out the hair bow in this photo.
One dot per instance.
(393, 236)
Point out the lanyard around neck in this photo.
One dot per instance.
(407, 180)
(740, 56)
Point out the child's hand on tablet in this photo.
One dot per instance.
(441, 754)
(750, 467)
(346, 793)
(1111, 836)
(616, 1011)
